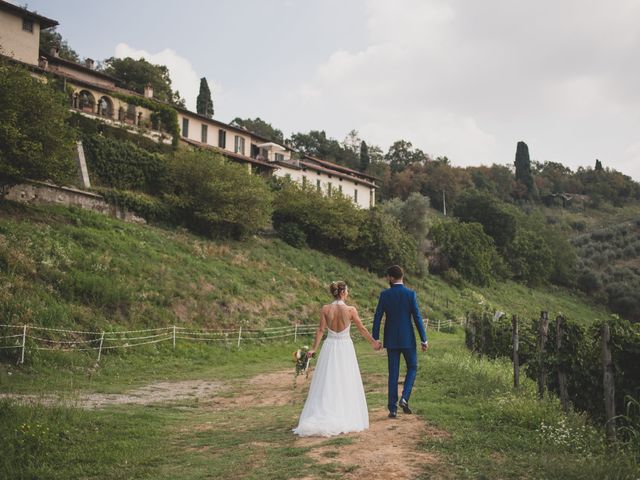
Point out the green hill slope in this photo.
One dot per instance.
(71, 268)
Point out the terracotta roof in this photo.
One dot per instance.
(78, 66)
(227, 153)
(335, 166)
(23, 12)
(330, 171)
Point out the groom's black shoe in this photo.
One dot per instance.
(392, 414)
(405, 406)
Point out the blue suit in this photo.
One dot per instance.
(400, 305)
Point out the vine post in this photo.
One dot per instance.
(543, 332)
(562, 374)
(239, 336)
(608, 383)
(516, 347)
(24, 343)
(100, 347)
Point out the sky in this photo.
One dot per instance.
(461, 78)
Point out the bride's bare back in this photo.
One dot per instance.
(337, 316)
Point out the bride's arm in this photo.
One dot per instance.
(355, 318)
(319, 333)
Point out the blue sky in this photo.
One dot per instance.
(461, 78)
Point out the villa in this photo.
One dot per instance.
(95, 94)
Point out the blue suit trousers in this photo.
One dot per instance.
(393, 357)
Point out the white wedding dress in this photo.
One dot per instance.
(336, 402)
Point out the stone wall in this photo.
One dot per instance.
(39, 193)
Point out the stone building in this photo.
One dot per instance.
(94, 94)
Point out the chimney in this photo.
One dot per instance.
(89, 63)
(148, 90)
(55, 51)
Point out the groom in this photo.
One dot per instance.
(400, 304)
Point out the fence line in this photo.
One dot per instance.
(111, 340)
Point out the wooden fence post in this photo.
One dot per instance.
(100, 348)
(174, 336)
(543, 332)
(470, 330)
(239, 336)
(295, 334)
(516, 348)
(562, 374)
(24, 342)
(438, 324)
(608, 383)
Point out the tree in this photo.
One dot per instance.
(260, 127)
(317, 144)
(136, 74)
(402, 154)
(523, 170)
(497, 220)
(50, 38)
(365, 159)
(465, 247)
(598, 166)
(204, 103)
(35, 140)
(216, 197)
(530, 258)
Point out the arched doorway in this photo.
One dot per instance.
(105, 107)
(86, 101)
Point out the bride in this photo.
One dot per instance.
(336, 402)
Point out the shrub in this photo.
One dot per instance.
(292, 234)
(125, 166)
(215, 197)
(467, 248)
(330, 223)
(35, 141)
(530, 258)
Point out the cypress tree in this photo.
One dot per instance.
(523, 169)
(365, 160)
(598, 165)
(204, 104)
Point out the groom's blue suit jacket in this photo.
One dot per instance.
(400, 305)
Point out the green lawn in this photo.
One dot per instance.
(494, 432)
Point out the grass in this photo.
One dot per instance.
(69, 268)
(489, 431)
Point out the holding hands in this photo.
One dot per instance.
(377, 345)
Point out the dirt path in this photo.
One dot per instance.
(389, 449)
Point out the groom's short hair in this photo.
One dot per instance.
(395, 271)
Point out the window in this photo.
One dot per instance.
(304, 181)
(185, 127)
(318, 185)
(239, 145)
(371, 198)
(222, 139)
(27, 25)
(340, 188)
(278, 157)
(203, 133)
(329, 188)
(355, 195)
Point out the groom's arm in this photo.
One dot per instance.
(377, 318)
(417, 319)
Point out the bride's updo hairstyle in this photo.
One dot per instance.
(336, 288)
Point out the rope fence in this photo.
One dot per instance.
(82, 340)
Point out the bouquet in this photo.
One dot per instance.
(302, 360)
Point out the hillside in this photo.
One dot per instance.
(207, 410)
(71, 268)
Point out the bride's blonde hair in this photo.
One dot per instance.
(336, 288)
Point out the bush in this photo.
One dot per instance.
(215, 197)
(530, 258)
(125, 166)
(468, 249)
(148, 207)
(35, 141)
(292, 234)
(382, 242)
(330, 223)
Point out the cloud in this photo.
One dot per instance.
(469, 79)
(183, 76)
